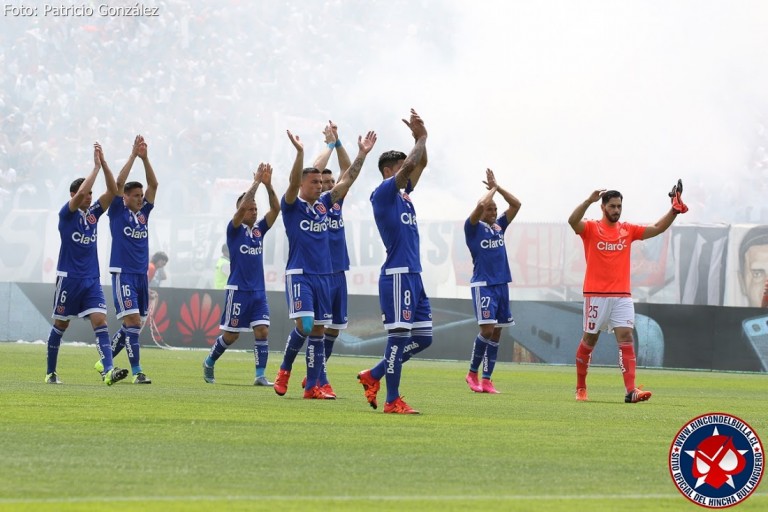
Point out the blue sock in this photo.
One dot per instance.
(420, 340)
(378, 371)
(315, 358)
(393, 355)
(261, 353)
(54, 342)
(292, 347)
(218, 348)
(489, 361)
(478, 352)
(118, 340)
(132, 347)
(328, 341)
(104, 347)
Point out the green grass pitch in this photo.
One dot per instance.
(180, 444)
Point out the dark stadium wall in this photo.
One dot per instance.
(667, 335)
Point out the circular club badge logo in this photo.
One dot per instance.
(716, 460)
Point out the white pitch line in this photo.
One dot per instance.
(473, 497)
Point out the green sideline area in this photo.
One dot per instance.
(182, 445)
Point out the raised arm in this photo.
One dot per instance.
(512, 202)
(294, 180)
(321, 161)
(341, 153)
(249, 196)
(482, 204)
(274, 202)
(151, 190)
(109, 179)
(122, 177)
(364, 146)
(660, 225)
(87, 185)
(417, 158)
(576, 219)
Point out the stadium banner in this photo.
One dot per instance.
(688, 264)
(666, 335)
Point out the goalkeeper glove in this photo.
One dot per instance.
(677, 201)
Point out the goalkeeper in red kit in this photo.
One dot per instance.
(607, 292)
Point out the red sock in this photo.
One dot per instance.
(627, 364)
(583, 357)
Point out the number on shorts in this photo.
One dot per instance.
(407, 297)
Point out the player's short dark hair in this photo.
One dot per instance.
(327, 171)
(309, 170)
(610, 194)
(758, 235)
(75, 185)
(389, 158)
(159, 256)
(131, 185)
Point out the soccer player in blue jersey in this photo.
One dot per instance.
(308, 271)
(484, 234)
(129, 259)
(245, 296)
(405, 307)
(338, 246)
(78, 290)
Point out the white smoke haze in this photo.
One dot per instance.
(558, 97)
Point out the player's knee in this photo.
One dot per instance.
(307, 323)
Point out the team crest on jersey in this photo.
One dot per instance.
(337, 207)
(623, 232)
(406, 196)
(716, 460)
(141, 218)
(406, 314)
(256, 232)
(91, 218)
(496, 227)
(320, 208)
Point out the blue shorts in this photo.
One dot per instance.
(338, 293)
(244, 310)
(131, 294)
(76, 297)
(491, 305)
(404, 305)
(308, 295)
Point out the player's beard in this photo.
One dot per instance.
(615, 217)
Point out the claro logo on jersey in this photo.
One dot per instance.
(135, 233)
(716, 460)
(253, 251)
(607, 246)
(335, 224)
(84, 239)
(492, 244)
(315, 227)
(408, 218)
